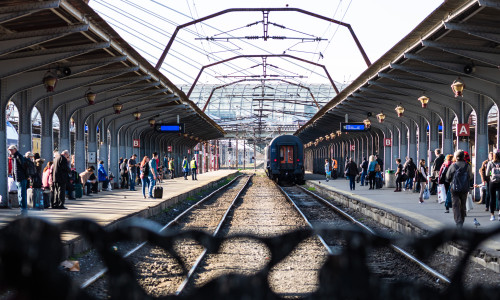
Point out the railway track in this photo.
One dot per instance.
(208, 215)
(393, 263)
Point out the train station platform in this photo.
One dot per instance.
(402, 212)
(108, 208)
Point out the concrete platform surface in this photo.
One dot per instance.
(429, 216)
(109, 206)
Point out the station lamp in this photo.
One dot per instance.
(367, 123)
(424, 100)
(90, 96)
(327, 137)
(117, 107)
(381, 117)
(49, 81)
(315, 143)
(137, 115)
(400, 110)
(152, 122)
(458, 87)
(320, 138)
(332, 135)
(339, 132)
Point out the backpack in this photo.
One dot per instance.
(495, 173)
(29, 167)
(460, 182)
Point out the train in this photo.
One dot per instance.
(284, 158)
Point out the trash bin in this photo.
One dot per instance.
(390, 179)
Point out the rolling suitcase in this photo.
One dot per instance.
(78, 190)
(157, 192)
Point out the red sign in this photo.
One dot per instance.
(169, 148)
(189, 151)
(463, 129)
(353, 147)
(137, 144)
(387, 142)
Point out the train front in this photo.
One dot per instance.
(286, 159)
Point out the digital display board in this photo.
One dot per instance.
(174, 128)
(349, 127)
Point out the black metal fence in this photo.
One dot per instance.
(31, 252)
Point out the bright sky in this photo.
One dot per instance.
(148, 24)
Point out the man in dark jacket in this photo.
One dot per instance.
(351, 171)
(436, 166)
(380, 161)
(19, 174)
(459, 198)
(60, 175)
(409, 168)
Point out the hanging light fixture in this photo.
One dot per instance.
(458, 87)
(117, 107)
(400, 110)
(327, 137)
(381, 117)
(152, 122)
(339, 132)
(49, 81)
(332, 135)
(424, 100)
(90, 96)
(137, 115)
(321, 139)
(367, 123)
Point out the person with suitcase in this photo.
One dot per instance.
(153, 175)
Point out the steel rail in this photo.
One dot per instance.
(399, 250)
(103, 271)
(219, 226)
(304, 217)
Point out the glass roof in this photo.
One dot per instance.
(261, 105)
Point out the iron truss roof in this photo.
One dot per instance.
(460, 39)
(69, 39)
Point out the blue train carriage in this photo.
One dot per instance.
(285, 159)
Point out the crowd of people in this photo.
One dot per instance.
(450, 176)
(50, 186)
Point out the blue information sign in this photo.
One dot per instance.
(347, 127)
(176, 128)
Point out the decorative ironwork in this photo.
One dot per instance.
(31, 251)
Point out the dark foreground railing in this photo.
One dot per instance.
(31, 252)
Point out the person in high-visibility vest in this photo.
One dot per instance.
(185, 167)
(194, 167)
(335, 167)
(171, 168)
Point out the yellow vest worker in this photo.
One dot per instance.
(194, 166)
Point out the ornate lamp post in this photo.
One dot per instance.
(400, 110)
(367, 123)
(137, 115)
(117, 107)
(152, 122)
(458, 87)
(424, 100)
(90, 96)
(49, 81)
(381, 117)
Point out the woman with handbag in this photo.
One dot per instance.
(442, 180)
(422, 178)
(144, 168)
(399, 175)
